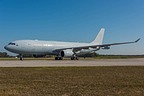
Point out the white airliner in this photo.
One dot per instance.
(60, 49)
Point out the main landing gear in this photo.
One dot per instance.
(72, 58)
(58, 58)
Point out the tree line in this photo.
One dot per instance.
(4, 54)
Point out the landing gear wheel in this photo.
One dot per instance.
(77, 58)
(58, 58)
(72, 58)
(21, 58)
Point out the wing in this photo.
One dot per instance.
(94, 46)
(120, 43)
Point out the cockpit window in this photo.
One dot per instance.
(11, 43)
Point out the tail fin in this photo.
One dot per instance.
(99, 38)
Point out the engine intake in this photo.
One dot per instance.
(67, 53)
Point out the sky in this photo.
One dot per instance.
(74, 21)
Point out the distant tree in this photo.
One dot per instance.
(90, 55)
(27, 56)
(3, 54)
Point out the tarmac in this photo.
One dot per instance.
(76, 63)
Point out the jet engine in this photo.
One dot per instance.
(106, 47)
(67, 53)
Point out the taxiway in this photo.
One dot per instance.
(53, 63)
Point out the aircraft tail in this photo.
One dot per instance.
(99, 38)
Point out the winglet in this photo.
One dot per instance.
(137, 40)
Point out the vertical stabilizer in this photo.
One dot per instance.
(99, 38)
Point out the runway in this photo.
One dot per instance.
(62, 63)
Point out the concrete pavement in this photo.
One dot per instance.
(53, 63)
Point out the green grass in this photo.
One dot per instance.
(72, 81)
(119, 56)
(81, 58)
(26, 59)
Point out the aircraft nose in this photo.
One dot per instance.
(6, 47)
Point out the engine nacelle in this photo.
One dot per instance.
(67, 53)
(106, 47)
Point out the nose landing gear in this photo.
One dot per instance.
(21, 57)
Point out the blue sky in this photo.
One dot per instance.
(74, 20)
